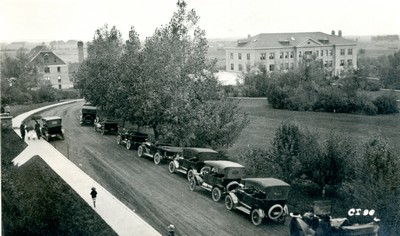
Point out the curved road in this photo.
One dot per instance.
(159, 197)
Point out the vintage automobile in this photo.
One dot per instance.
(88, 114)
(260, 198)
(192, 159)
(131, 138)
(218, 177)
(51, 128)
(158, 151)
(320, 222)
(106, 126)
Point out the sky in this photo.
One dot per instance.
(48, 20)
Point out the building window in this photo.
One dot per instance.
(248, 56)
(291, 54)
(48, 78)
(317, 53)
(341, 62)
(326, 52)
(281, 55)
(55, 59)
(231, 55)
(59, 86)
(263, 56)
(291, 65)
(322, 53)
(272, 55)
(300, 54)
(47, 69)
(330, 63)
(239, 56)
(286, 66)
(58, 69)
(331, 52)
(350, 62)
(59, 79)
(325, 63)
(349, 51)
(248, 67)
(240, 67)
(271, 67)
(342, 52)
(286, 54)
(232, 67)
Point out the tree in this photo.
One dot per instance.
(181, 100)
(100, 70)
(390, 71)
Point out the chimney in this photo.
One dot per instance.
(340, 33)
(333, 32)
(80, 51)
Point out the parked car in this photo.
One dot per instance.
(158, 151)
(218, 177)
(131, 138)
(88, 114)
(192, 159)
(106, 126)
(51, 128)
(260, 198)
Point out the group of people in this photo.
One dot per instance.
(31, 131)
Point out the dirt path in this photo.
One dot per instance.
(159, 197)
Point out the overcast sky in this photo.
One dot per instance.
(47, 20)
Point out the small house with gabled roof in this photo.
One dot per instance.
(55, 69)
(284, 51)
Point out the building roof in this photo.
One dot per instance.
(39, 52)
(275, 40)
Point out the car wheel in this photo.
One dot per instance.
(190, 174)
(216, 194)
(140, 151)
(275, 212)
(128, 144)
(192, 184)
(157, 158)
(255, 217)
(229, 203)
(171, 167)
(119, 139)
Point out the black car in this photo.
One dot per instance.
(260, 198)
(218, 177)
(51, 128)
(88, 114)
(131, 138)
(158, 151)
(193, 159)
(106, 126)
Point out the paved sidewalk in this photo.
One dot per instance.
(120, 218)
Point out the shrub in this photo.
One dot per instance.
(259, 164)
(386, 104)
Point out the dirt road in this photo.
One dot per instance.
(159, 197)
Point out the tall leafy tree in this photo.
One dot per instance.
(100, 69)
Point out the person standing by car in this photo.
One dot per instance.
(37, 129)
(22, 129)
(94, 195)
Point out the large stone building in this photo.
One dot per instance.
(55, 70)
(284, 51)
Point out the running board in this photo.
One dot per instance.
(245, 210)
(181, 171)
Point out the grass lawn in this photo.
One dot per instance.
(36, 201)
(264, 121)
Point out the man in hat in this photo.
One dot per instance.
(94, 194)
(22, 129)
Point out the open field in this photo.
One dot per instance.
(264, 121)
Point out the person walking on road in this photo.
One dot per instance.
(22, 129)
(94, 195)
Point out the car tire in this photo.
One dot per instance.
(274, 208)
(128, 144)
(140, 151)
(171, 167)
(192, 184)
(255, 217)
(190, 174)
(119, 139)
(216, 194)
(157, 158)
(229, 203)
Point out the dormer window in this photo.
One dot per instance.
(46, 58)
